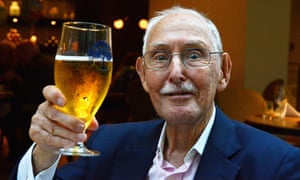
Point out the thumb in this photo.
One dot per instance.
(94, 125)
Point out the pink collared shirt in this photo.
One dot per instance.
(163, 170)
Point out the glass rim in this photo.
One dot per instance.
(85, 25)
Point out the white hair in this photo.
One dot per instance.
(214, 34)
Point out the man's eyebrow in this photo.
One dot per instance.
(191, 43)
(159, 44)
(198, 43)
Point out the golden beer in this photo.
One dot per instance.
(83, 71)
(84, 83)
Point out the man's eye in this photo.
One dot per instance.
(160, 57)
(195, 54)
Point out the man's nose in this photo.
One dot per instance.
(177, 69)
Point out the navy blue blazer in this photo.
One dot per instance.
(233, 151)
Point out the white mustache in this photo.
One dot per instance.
(184, 87)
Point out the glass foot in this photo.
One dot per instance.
(78, 150)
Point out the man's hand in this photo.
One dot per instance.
(52, 129)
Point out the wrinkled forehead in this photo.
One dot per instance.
(182, 25)
(183, 18)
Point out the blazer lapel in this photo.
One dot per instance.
(221, 146)
(215, 165)
(134, 161)
(133, 164)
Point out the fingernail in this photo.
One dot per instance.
(60, 102)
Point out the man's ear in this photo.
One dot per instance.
(139, 66)
(225, 72)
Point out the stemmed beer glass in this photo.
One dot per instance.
(83, 71)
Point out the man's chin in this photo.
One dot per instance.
(179, 117)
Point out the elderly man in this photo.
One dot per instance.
(182, 68)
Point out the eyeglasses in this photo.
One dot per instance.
(191, 58)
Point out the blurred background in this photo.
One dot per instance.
(262, 37)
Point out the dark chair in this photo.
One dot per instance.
(139, 103)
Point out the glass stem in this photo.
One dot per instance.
(80, 144)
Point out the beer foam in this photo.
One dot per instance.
(80, 58)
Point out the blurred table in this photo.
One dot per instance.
(287, 126)
(287, 129)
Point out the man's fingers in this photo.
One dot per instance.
(52, 128)
(47, 111)
(54, 95)
(54, 136)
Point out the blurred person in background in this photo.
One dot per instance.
(34, 71)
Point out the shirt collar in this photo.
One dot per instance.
(200, 144)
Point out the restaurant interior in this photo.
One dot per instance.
(263, 39)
